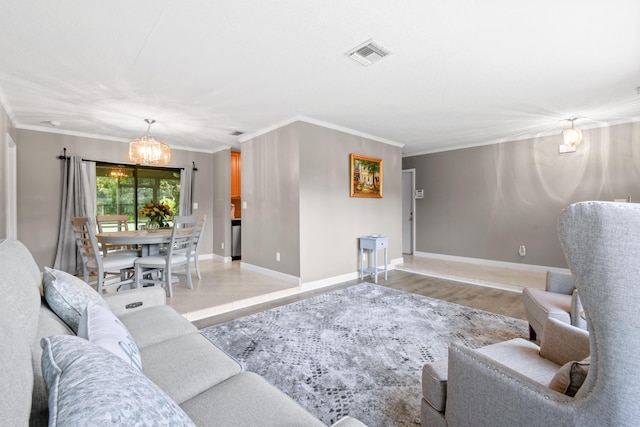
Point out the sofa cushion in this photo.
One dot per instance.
(86, 382)
(156, 324)
(68, 296)
(187, 365)
(523, 357)
(570, 377)
(247, 399)
(101, 327)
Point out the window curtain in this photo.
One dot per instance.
(78, 199)
(186, 188)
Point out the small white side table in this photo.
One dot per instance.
(373, 244)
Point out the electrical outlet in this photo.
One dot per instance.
(522, 250)
(278, 256)
(221, 245)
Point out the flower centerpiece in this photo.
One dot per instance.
(157, 215)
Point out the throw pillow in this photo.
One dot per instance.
(570, 377)
(68, 296)
(101, 327)
(87, 383)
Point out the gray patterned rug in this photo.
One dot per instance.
(357, 351)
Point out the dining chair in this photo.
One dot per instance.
(159, 269)
(115, 266)
(195, 250)
(109, 223)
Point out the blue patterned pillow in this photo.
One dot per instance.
(100, 326)
(68, 296)
(87, 383)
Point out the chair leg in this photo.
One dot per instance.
(189, 282)
(167, 280)
(138, 277)
(532, 334)
(197, 265)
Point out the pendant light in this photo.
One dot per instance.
(148, 150)
(572, 136)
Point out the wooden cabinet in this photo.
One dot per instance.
(236, 175)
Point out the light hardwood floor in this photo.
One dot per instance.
(481, 297)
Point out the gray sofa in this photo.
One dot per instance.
(182, 372)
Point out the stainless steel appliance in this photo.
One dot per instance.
(235, 239)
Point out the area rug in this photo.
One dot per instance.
(358, 351)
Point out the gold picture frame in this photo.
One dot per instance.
(366, 176)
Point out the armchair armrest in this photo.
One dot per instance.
(508, 397)
(560, 283)
(136, 299)
(562, 343)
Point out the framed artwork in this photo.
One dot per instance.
(366, 176)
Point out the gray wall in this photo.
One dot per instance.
(271, 191)
(297, 191)
(40, 176)
(484, 202)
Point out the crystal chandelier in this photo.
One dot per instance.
(148, 150)
(118, 173)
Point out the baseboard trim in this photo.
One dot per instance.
(217, 257)
(271, 273)
(492, 263)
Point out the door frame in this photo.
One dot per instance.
(412, 173)
(11, 188)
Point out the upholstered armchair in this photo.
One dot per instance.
(559, 301)
(508, 384)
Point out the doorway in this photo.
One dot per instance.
(408, 211)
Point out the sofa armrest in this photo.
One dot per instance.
(483, 392)
(136, 299)
(560, 283)
(562, 343)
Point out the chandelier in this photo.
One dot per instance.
(118, 172)
(148, 150)
(572, 136)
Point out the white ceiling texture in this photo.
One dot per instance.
(460, 73)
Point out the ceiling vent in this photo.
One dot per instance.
(368, 52)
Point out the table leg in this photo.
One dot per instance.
(385, 263)
(375, 266)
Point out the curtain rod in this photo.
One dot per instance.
(65, 157)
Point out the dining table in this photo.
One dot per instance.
(149, 241)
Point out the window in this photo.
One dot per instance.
(123, 190)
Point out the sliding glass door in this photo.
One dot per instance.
(124, 190)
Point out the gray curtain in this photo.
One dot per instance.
(186, 188)
(78, 199)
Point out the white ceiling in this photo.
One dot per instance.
(461, 72)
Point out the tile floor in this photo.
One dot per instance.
(225, 287)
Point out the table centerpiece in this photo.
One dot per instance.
(157, 215)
